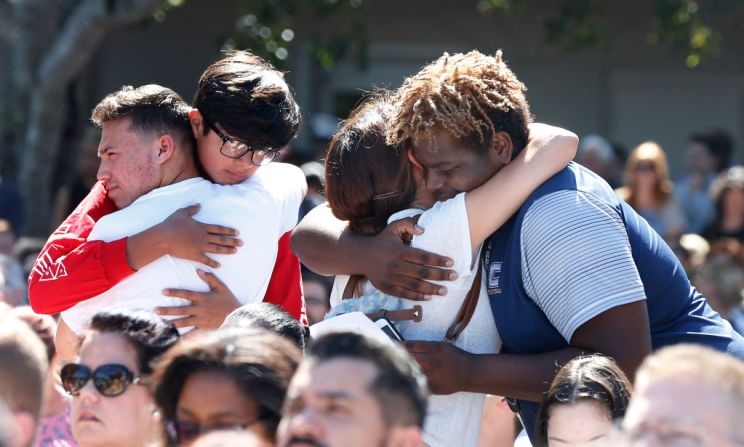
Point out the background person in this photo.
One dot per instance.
(23, 366)
(111, 403)
(354, 391)
(585, 398)
(650, 192)
(231, 379)
(267, 316)
(728, 197)
(687, 395)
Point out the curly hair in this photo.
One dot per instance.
(471, 96)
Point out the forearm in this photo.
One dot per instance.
(525, 377)
(145, 247)
(326, 245)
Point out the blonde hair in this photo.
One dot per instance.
(470, 96)
(695, 363)
(648, 151)
(23, 366)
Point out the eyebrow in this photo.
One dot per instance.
(105, 149)
(594, 438)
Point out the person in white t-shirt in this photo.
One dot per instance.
(146, 153)
(371, 184)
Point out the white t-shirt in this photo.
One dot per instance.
(455, 419)
(262, 209)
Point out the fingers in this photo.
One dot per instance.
(220, 230)
(184, 322)
(225, 241)
(403, 226)
(193, 209)
(407, 294)
(415, 284)
(194, 297)
(212, 280)
(425, 258)
(176, 311)
(220, 249)
(425, 272)
(209, 262)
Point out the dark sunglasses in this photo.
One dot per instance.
(110, 380)
(186, 431)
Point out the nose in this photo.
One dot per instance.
(104, 173)
(88, 392)
(305, 424)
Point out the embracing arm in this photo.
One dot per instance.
(71, 269)
(327, 246)
(548, 150)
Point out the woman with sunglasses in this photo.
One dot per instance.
(111, 404)
(231, 379)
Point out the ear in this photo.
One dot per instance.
(412, 158)
(166, 148)
(405, 437)
(502, 147)
(197, 122)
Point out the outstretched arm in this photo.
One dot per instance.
(327, 246)
(548, 150)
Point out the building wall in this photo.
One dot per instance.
(632, 93)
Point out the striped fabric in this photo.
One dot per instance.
(576, 259)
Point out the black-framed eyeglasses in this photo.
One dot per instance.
(110, 380)
(234, 148)
(186, 431)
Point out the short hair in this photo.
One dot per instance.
(471, 96)
(23, 367)
(366, 179)
(593, 378)
(695, 363)
(267, 316)
(152, 109)
(399, 387)
(260, 362)
(149, 334)
(44, 325)
(250, 99)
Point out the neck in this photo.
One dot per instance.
(180, 172)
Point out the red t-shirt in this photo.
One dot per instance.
(71, 269)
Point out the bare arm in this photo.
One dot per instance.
(622, 333)
(327, 246)
(548, 150)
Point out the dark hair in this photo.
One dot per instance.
(588, 378)
(400, 386)
(267, 316)
(729, 179)
(152, 109)
(261, 364)
(250, 99)
(471, 96)
(367, 180)
(149, 334)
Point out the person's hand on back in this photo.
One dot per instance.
(397, 269)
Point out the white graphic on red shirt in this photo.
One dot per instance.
(48, 269)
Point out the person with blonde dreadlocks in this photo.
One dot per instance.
(575, 270)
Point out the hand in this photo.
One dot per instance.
(399, 270)
(207, 309)
(446, 367)
(187, 238)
